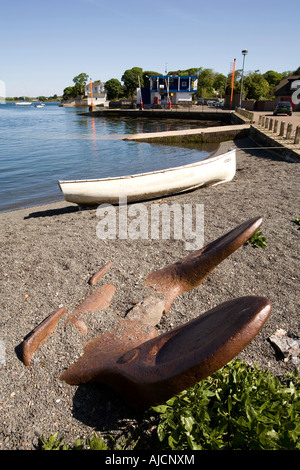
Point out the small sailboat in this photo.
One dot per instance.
(23, 103)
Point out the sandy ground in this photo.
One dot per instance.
(50, 252)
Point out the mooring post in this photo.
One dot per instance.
(282, 127)
(289, 130)
(297, 135)
(271, 124)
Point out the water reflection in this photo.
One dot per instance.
(94, 137)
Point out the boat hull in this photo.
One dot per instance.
(212, 171)
(24, 103)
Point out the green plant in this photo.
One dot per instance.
(258, 240)
(53, 442)
(297, 220)
(237, 408)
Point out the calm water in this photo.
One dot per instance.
(39, 146)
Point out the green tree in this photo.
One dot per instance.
(78, 89)
(287, 73)
(131, 79)
(206, 83)
(272, 77)
(70, 92)
(219, 83)
(114, 89)
(191, 71)
(80, 82)
(256, 86)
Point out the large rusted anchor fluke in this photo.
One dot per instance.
(191, 271)
(150, 372)
(147, 368)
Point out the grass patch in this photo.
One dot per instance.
(258, 240)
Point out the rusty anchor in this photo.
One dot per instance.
(155, 370)
(146, 368)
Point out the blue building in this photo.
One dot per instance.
(174, 89)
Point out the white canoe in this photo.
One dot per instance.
(144, 186)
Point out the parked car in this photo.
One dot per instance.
(218, 104)
(283, 107)
(201, 101)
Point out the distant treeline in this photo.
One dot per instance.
(53, 98)
(210, 83)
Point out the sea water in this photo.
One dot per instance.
(39, 146)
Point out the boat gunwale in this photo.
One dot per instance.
(182, 167)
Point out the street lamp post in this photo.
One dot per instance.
(244, 52)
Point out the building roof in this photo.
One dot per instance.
(174, 76)
(284, 86)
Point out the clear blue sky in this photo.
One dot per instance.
(45, 44)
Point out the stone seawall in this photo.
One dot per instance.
(201, 135)
(74, 104)
(271, 133)
(223, 125)
(281, 148)
(216, 115)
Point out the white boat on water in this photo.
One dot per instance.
(23, 103)
(212, 171)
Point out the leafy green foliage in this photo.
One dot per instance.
(80, 82)
(70, 92)
(258, 240)
(297, 220)
(53, 442)
(273, 78)
(237, 408)
(78, 89)
(114, 89)
(256, 86)
(132, 79)
(206, 79)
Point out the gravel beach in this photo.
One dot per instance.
(50, 252)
